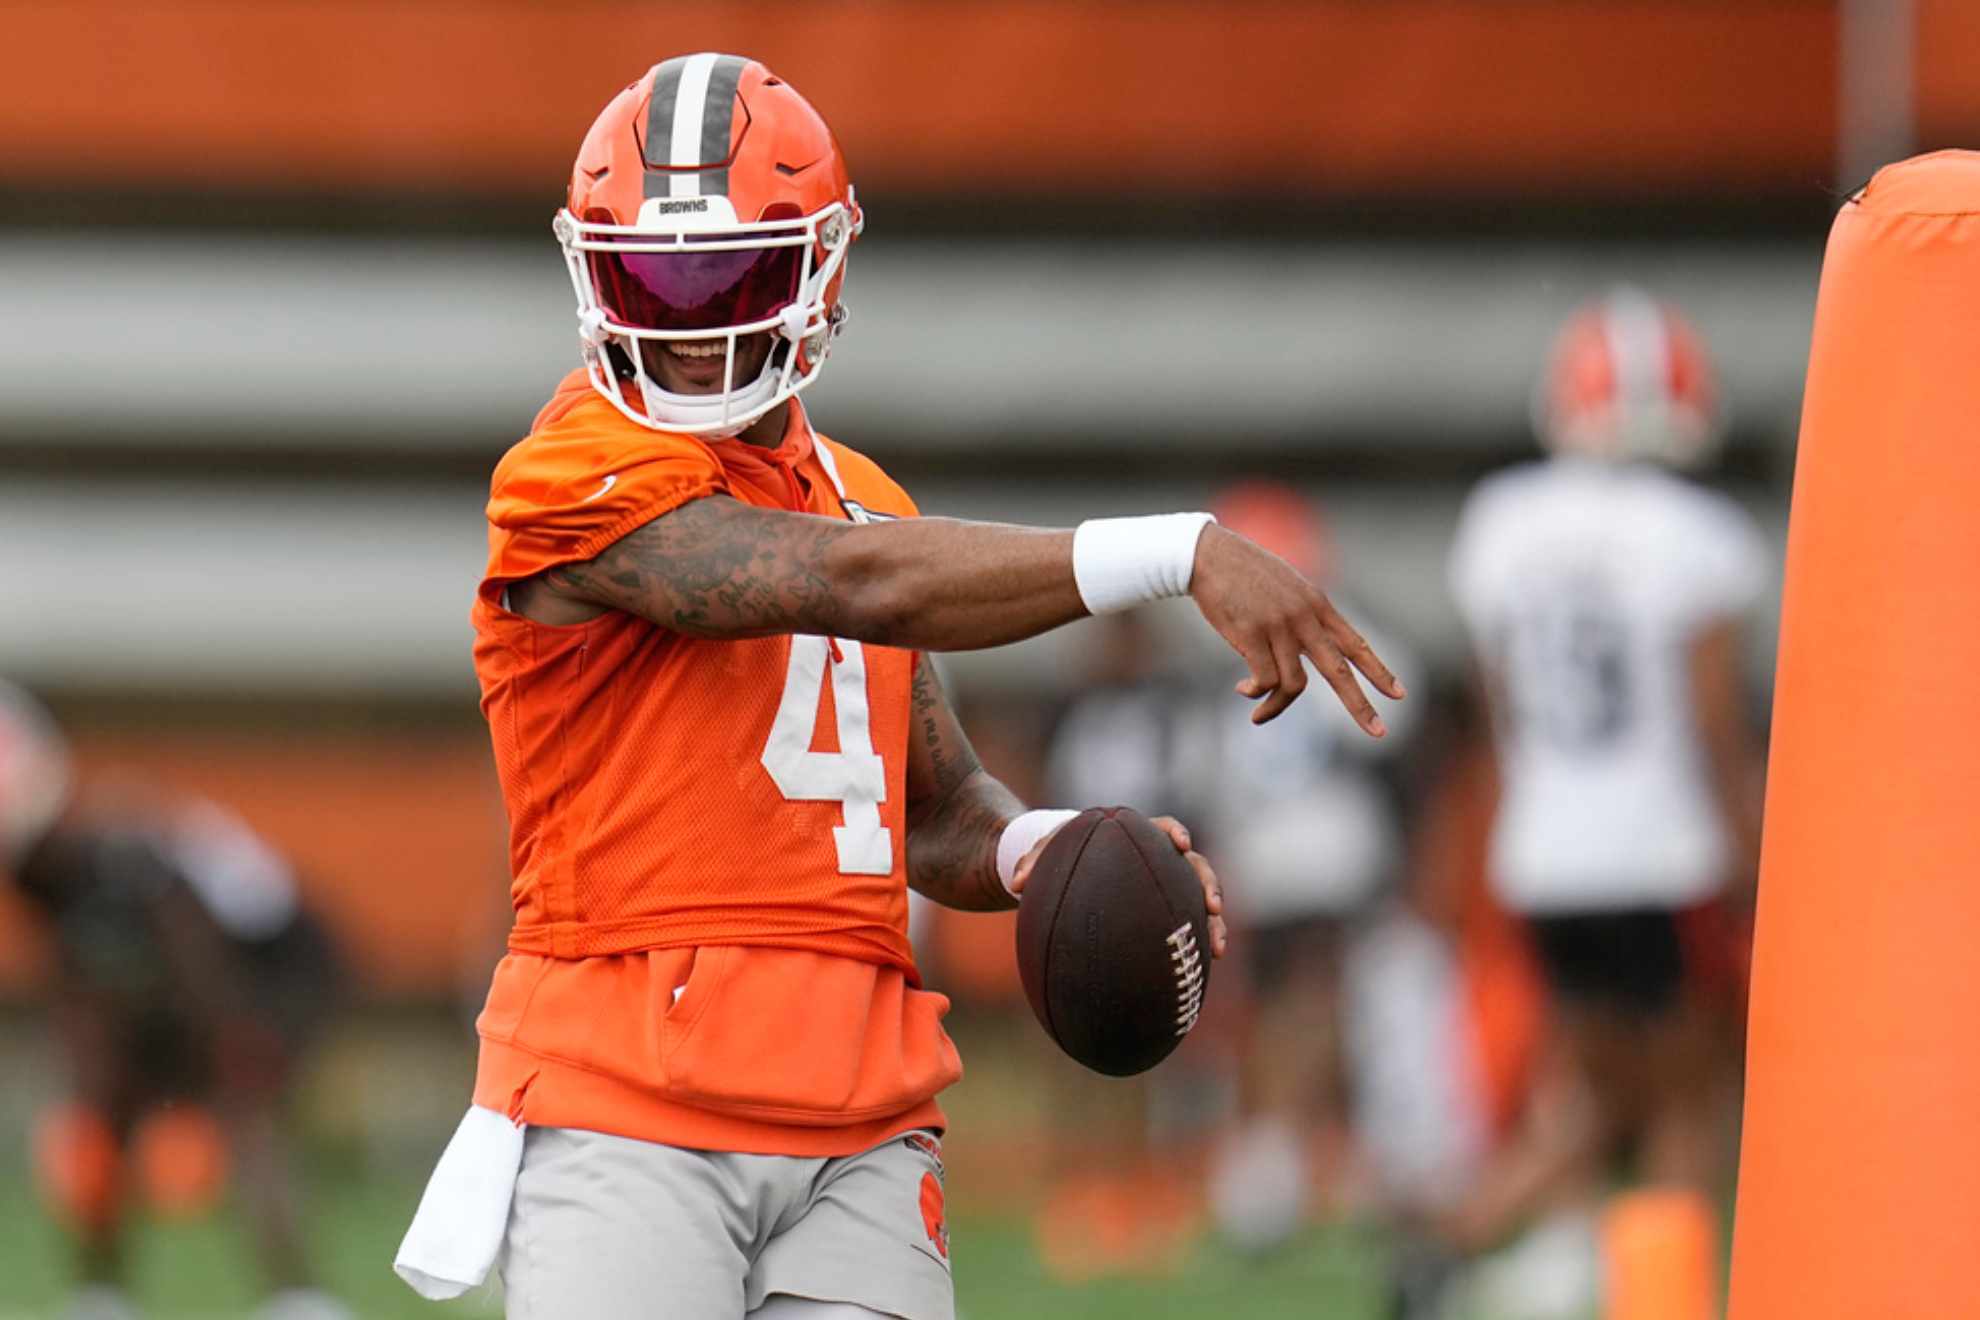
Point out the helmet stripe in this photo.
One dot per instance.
(690, 107)
(1635, 328)
(689, 118)
(659, 145)
(718, 119)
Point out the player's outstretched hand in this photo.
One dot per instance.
(1271, 616)
(1213, 889)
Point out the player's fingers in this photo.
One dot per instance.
(1292, 679)
(1339, 674)
(1270, 708)
(1213, 888)
(1264, 675)
(1022, 871)
(1178, 832)
(1213, 902)
(1359, 653)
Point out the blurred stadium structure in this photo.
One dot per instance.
(277, 288)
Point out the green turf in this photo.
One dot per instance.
(204, 1269)
(1324, 1276)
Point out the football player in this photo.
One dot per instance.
(190, 979)
(1305, 827)
(708, 1071)
(1605, 595)
(1125, 1202)
(1304, 817)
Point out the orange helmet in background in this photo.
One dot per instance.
(1629, 378)
(709, 201)
(1282, 520)
(34, 774)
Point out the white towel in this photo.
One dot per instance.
(457, 1232)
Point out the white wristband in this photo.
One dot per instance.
(1119, 563)
(1019, 836)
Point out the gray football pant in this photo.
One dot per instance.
(608, 1227)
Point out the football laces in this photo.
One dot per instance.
(1190, 977)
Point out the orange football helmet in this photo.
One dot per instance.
(34, 773)
(1629, 378)
(709, 202)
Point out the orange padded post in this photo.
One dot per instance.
(1860, 1173)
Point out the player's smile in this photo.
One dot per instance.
(695, 366)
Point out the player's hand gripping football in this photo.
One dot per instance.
(1213, 889)
(1272, 617)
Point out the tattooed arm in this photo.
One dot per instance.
(720, 568)
(955, 811)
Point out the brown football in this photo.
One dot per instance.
(1113, 941)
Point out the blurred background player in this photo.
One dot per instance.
(1310, 820)
(1311, 825)
(1605, 594)
(189, 980)
(1120, 1202)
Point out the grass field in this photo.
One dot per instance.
(202, 1269)
(384, 1091)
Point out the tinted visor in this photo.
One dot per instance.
(685, 289)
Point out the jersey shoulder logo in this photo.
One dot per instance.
(610, 482)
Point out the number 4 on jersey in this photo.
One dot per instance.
(854, 776)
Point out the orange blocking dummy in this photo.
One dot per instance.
(1861, 1150)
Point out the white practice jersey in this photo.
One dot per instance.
(1583, 585)
(1296, 815)
(1291, 810)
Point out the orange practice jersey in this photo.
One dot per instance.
(708, 838)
